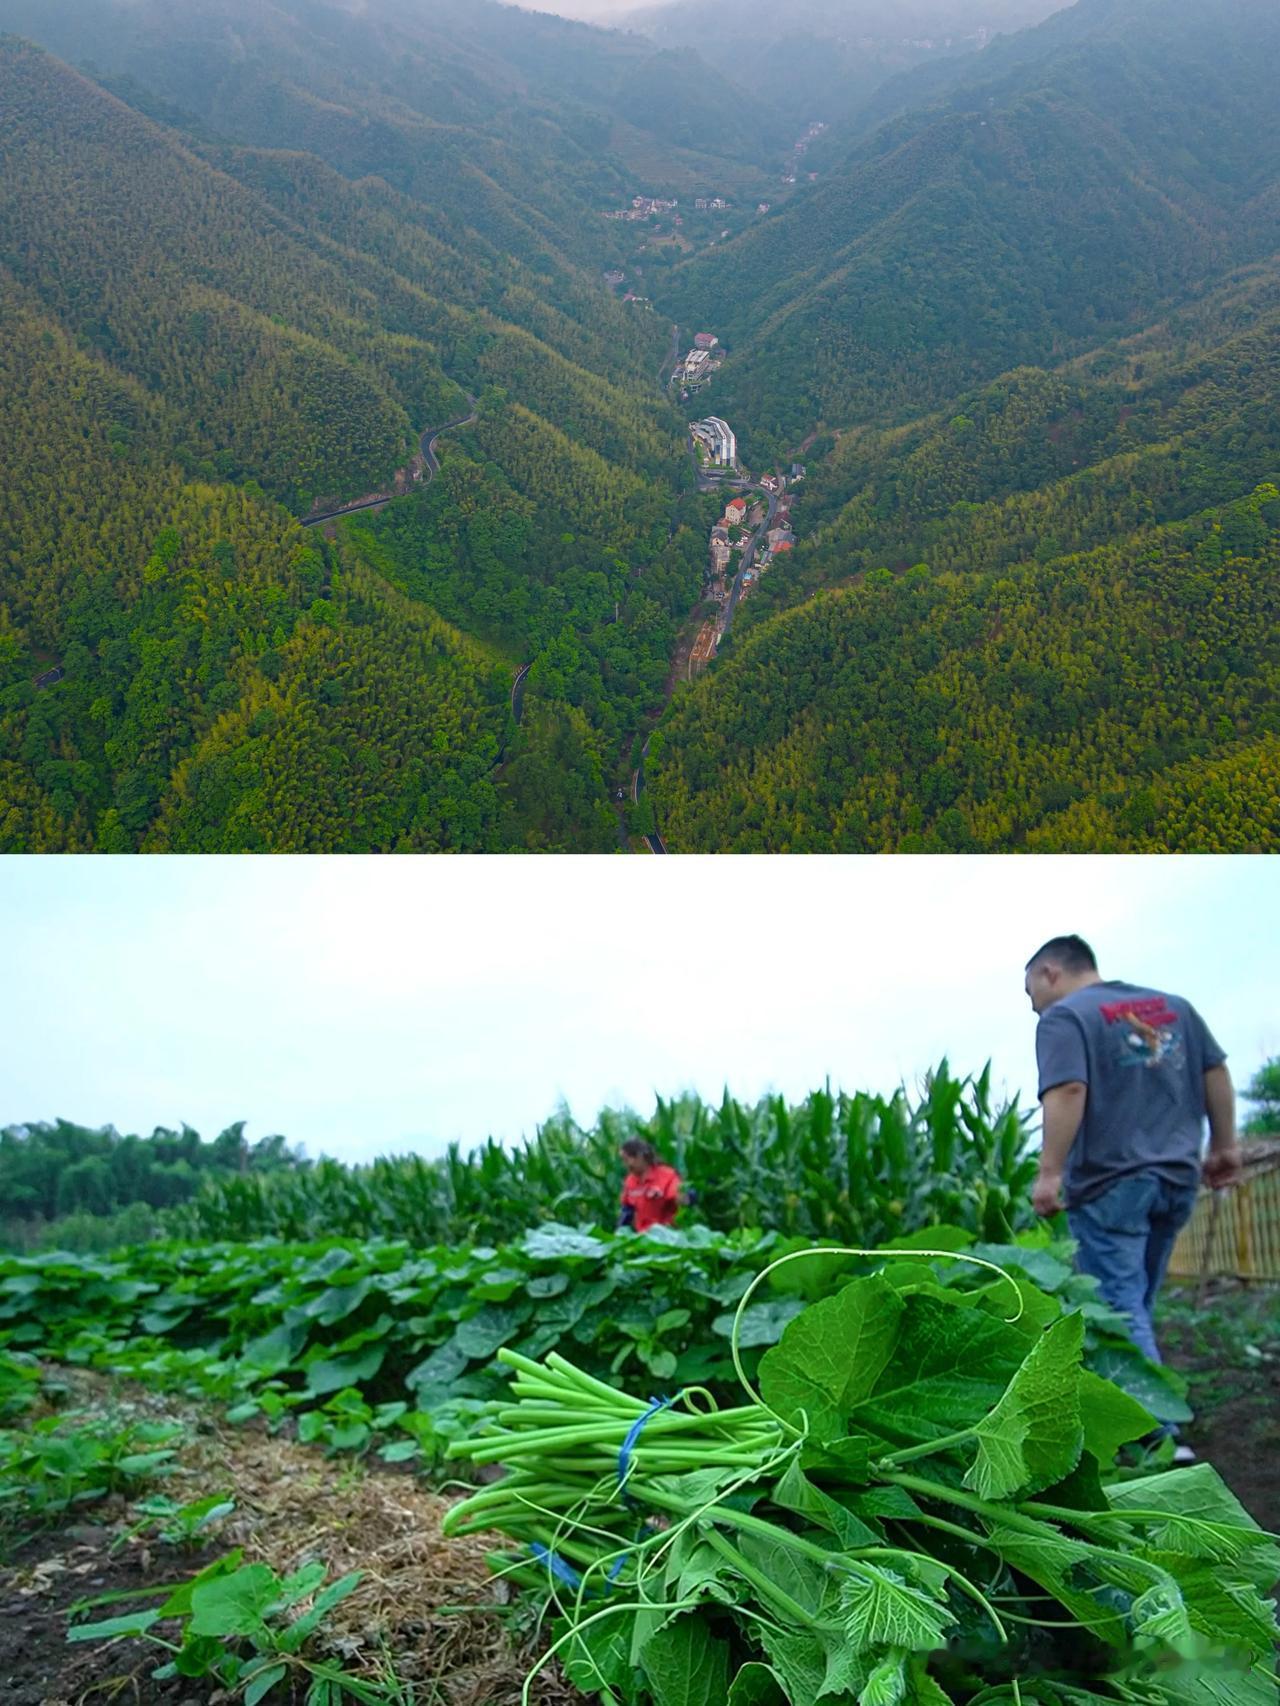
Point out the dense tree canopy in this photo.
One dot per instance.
(1108, 701)
(1063, 184)
(51, 1168)
(247, 258)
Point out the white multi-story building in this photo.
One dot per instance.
(717, 436)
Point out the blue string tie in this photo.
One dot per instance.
(565, 1572)
(559, 1569)
(632, 1440)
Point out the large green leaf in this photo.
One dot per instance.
(1159, 1390)
(490, 1328)
(1224, 1605)
(762, 1323)
(236, 1604)
(1043, 1268)
(131, 1623)
(800, 1661)
(832, 1355)
(904, 1370)
(598, 1655)
(339, 1301)
(796, 1492)
(331, 1374)
(756, 1685)
(1068, 1569)
(881, 1608)
(1035, 1435)
(1205, 1518)
(800, 1578)
(686, 1665)
(1217, 1683)
(179, 1601)
(1111, 1416)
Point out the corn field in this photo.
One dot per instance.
(854, 1168)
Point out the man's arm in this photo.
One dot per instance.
(1063, 1111)
(1224, 1164)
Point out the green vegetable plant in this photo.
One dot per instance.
(245, 1628)
(76, 1458)
(174, 1524)
(19, 1384)
(915, 1508)
(349, 1330)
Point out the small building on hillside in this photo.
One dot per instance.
(705, 340)
(734, 511)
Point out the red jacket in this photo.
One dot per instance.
(655, 1198)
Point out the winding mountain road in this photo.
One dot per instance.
(426, 449)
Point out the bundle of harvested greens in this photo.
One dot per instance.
(913, 1512)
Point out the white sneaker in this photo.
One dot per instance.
(1183, 1456)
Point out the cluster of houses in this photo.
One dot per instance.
(701, 362)
(713, 204)
(801, 148)
(781, 537)
(643, 207)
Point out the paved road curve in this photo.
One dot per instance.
(655, 841)
(427, 447)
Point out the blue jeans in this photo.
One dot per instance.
(1125, 1239)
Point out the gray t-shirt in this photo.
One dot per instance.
(1143, 1055)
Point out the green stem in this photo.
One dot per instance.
(768, 1590)
(927, 1449)
(968, 1502)
(746, 1522)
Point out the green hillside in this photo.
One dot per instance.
(1043, 619)
(193, 334)
(248, 257)
(1050, 199)
(1118, 700)
(834, 55)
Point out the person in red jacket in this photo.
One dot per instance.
(651, 1189)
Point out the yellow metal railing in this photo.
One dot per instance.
(1235, 1233)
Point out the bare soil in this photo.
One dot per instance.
(426, 1604)
(1229, 1348)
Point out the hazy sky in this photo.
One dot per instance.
(594, 11)
(369, 1005)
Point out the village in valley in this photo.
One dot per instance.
(755, 528)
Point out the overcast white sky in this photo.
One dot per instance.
(592, 11)
(364, 1006)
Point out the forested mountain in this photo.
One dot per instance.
(1047, 621)
(1117, 157)
(178, 313)
(825, 59)
(249, 253)
(500, 120)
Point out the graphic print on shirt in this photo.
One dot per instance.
(1146, 1033)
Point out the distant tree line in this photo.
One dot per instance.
(54, 1169)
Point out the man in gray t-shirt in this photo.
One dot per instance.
(1127, 1077)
